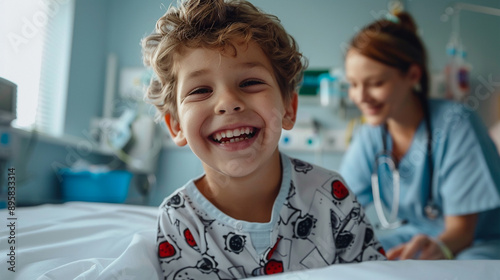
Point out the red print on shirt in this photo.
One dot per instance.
(339, 191)
(189, 238)
(166, 250)
(273, 267)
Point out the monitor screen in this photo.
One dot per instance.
(6, 97)
(8, 91)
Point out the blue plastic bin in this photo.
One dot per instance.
(111, 186)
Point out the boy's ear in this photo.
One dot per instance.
(175, 130)
(290, 112)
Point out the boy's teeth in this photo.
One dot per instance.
(234, 135)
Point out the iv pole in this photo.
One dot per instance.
(488, 11)
(460, 6)
(477, 9)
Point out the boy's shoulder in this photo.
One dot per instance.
(311, 178)
(180, 202)
(303, 166)
(302, 169)
(175, 199)
(185, 207)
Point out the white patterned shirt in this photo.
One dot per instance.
(316, 221)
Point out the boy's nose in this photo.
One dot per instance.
(229, 102)
(236, 109)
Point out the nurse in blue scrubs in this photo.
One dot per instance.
(435, 154)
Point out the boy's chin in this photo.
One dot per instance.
(238, 168)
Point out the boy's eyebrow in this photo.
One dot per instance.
(196, 73)
(253, 64)
(201, 72)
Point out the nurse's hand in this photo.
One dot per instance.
(421, 247)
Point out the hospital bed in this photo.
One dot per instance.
(82, 240)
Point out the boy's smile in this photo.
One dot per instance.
(230, 109)
(234, 135)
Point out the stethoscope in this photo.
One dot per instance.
(431, 210)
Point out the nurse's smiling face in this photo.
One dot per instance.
(381, 92)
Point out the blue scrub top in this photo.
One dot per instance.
(466, 175)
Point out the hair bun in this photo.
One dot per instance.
(407, 21)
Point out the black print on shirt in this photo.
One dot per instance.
(301, 166)
(234, 242)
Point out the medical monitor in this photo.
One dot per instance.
(8, 104)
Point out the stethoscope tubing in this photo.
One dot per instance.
(392, 222)
(431, 210)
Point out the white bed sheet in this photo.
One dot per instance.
(80, 240)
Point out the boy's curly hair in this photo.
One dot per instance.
(215, 24)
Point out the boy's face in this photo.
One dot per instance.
(230, 109)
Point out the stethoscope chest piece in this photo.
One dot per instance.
(431, 211)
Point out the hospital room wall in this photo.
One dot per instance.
(87, 65)
(321, 27)
(480, 35)
(37, 161)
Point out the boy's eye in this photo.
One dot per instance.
(248, 83)
(200, 91)
(377, 83)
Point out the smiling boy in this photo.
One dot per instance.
(231, 110)
(227, 76)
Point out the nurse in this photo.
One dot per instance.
(446, 168)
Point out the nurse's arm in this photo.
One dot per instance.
(459, 232)
(457, 235)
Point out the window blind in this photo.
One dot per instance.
(35, 47)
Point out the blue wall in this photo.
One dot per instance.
(87, 66)
(37, 161)
(322, 28)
